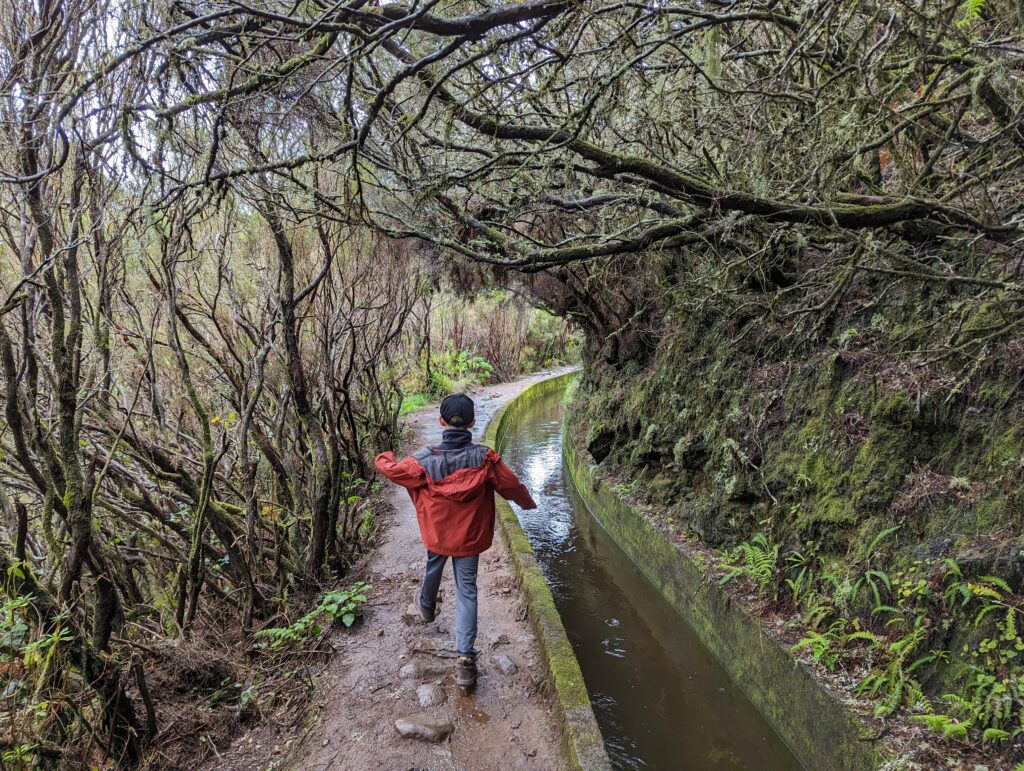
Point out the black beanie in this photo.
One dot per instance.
(457, 410)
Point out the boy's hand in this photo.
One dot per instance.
(508, 486)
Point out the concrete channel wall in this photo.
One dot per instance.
(812, 719)
(582, 742)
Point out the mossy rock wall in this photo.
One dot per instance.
(583, 743)
(736, 430)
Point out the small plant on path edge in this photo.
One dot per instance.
(337, 605)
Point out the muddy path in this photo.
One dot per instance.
(391, 666)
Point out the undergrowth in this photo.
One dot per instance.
(207, 686)
(337, 605)
(755, 560)
(923, 638)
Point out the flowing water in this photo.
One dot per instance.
(661, 698)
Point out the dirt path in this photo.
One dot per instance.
(507, 723)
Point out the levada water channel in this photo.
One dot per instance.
(661, 698)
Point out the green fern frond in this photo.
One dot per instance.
(997, 582)
(1010, 625)
(984, 590)
(879, 538)
(995, 735)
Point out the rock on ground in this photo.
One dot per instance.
(424, 726)
(430, 695)
(422, 670)
(504, 664)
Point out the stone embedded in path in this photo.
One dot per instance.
(504, 664)
(501, 639)
(424, 726)
(430, 695)
(422, 670)
(432, 648)
(425, 645)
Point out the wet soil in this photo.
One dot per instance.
(508, 721)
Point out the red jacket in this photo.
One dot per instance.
(456, 510)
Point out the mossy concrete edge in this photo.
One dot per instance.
(582, 740)
(819, 728)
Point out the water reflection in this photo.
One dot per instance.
(661, 699)
(549, 527)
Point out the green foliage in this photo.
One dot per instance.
(895, 684)
(367, 524)
(413, 402)
(32, 658)
(457, 370)
(970, 11)
(877, 540)
(493, 335)
(547, 343)
(338, 605)
(756, 560)
(899, 618)
(802, 586)
(829, 647)
(992, 697)
(945, 725)
(22, 754)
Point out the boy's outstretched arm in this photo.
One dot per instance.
(507, 485)
(406, 472)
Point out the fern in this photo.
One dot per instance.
(817, 615)
(884, 609)
(995, 735)
(945, 725)
(873, 579)
(984, 612)
(955, 729)
(821, 647)
(934, 722)
(873, 639)
(756, 560)
(878, 539)
(998, 583)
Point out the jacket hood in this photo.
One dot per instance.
(464, 484)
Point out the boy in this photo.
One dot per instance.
(452, 486)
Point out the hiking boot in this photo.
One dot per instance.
(426, 616)
(465, 671)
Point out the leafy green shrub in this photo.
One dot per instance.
(338, 605)
(495, 335)
(456, 370)
(547, 342)
(31, 655)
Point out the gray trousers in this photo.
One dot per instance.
(465, 596)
